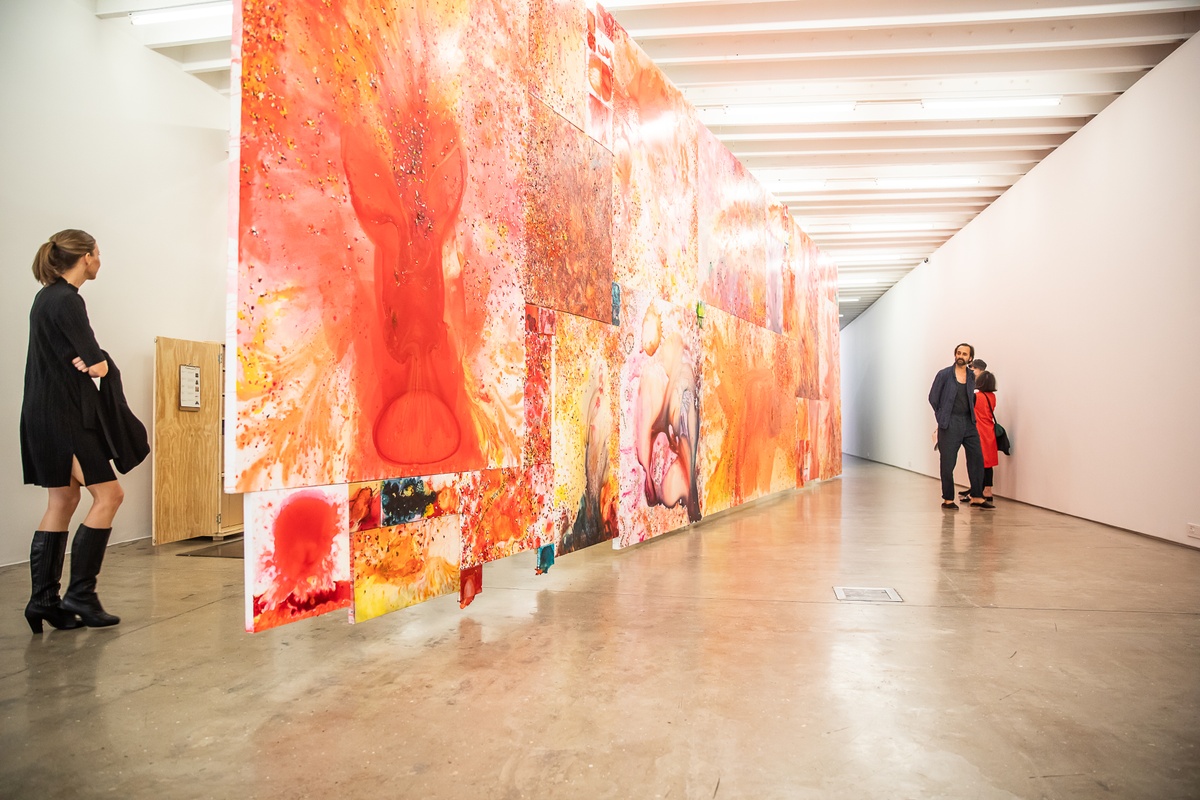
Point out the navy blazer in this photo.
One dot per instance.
(941, 395)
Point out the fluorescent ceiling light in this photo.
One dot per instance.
(780, 187)
(778, 113)
(976, 103)
(891, 226)
(182, 13)
(847, 299)
(870, 258)
(946, 182)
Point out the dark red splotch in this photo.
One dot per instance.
(470, 584)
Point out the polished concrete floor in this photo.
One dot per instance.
(1034, 655)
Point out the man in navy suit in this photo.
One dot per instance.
(953, 399)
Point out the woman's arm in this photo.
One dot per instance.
(98, 370)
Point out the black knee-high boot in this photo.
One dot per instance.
(87, 554)
(46, 554)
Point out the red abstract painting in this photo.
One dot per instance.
(297, 555)
(380, 237)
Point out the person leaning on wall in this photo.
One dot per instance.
(70, 433)
(953, 399)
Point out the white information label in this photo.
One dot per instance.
(189, 387)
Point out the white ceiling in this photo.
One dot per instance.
(884, 126)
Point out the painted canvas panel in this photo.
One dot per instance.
(502, 512)
(297, 555)
(585, 437)
(402, 565)
(412, 499)
(654, 179)
(747, 438)
(792, 287)
(599, 112)
(538, 418)
(365, 508)
(568, 218)
(803, 442)
(731, 209)
(660, 418)
(831, 391)
(558, 56)
(380, 240)
(778, 252)
(808, 278)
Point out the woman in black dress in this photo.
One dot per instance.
(62, 445)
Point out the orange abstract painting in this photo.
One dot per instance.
(747, 433)
(654, 179)
(400, 566)
(502, 512)
(731, 213)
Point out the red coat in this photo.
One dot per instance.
(985, 422)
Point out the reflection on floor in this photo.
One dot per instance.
(1033, 655)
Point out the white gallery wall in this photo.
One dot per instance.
(1080, 287)
(100, 133)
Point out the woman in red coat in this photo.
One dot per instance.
(985, 422)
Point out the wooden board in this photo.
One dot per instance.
(187, 442)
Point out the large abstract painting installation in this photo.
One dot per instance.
(494, 289)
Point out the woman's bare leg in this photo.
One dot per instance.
(106, 498)
(60, 507)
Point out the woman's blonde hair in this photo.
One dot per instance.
(61, 253)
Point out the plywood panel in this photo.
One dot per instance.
(187, 443)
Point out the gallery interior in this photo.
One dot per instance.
(489, 459)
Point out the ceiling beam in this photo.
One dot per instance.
(777, 89)
(981, 37)
(1138, 58)
(657, 20)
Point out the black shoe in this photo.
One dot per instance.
(87, 554)
(949, 505)
(46, 554)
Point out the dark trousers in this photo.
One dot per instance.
(961, 433)
(987, 477)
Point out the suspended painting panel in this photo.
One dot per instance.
(502, 512)
(585, 437)
(599, 114)
(568, 218)
(297, 555)
(803, 442)
(748, 436)
(778, 252)
(412, 499)
(538, 417)
(558, 56)
(365, 508)
(660, 417)
(380, 241)
(654, 179)
(403, 565)
(808, 279)
(731, 213)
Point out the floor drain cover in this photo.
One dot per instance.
(867, 594)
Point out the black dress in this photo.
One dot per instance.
(59, 414)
